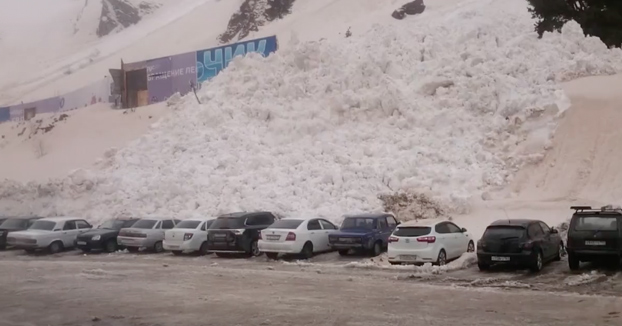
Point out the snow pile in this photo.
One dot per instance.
(439, 105)
(584, 278)
(465, 261)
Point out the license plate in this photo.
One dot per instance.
(595, 243)
(273, 237)
(408, 257)
(495, 258)
(82, 243)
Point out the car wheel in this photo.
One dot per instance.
(307, 251)
(177, 252)
(471, 247)
(255, 249)
(442, 258)
(573, 262)
(55, 247)
(343, 252)
(111, 246)
(203, 249)
(538, 262)
(157, 247)
(560, 252)
(132, 249)
(272, 255)
(377, 248)
(483, 267)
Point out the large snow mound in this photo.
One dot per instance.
(442, 105)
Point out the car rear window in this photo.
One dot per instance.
(188, 224)
(144, 224)
(504, 232)
(43, 225)
(412, 231)
(286, 224)
(359, 223)
(14, 223)
(596, 223)
(224, 223)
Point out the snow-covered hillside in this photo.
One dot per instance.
(448, 103)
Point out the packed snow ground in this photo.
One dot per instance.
(450, 105)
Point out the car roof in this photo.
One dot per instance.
(301, 218)
(244, 214)
(61, 219)
(157, 218)
(514, 222)
(21, 217)
(200, 219)
(422, 222)
(369, 215)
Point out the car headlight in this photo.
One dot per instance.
(96, 237)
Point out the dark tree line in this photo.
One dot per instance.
(600, 18)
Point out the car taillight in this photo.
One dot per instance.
(394, 239)
(188, 236)
(430, 239)
(291, 237)
(527, 245)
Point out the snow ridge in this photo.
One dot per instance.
(440, 107)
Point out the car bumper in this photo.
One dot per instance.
(279, 247)
(512, 259)
(83, 244)
(179, 245)
(135, 242)
(596, 253)
(412, 256)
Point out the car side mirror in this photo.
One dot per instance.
(553, 231)
(463, 230)
(398, 222)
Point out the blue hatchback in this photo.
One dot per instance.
(364, 233)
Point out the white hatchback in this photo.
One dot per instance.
(188, 236)
(428, 241)
(304, 236)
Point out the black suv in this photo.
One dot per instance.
(104, 237)
(237, 233)
(529, 243)
(594, 235)
(12, 224)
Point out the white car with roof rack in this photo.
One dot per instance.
(304, 236)
(428, 241)
(188, 236)
(52, 234)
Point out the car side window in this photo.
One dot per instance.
(441, 228)
(545, 228)
(69, 225)
(81, 224)
(168, 224)
(208, 224)
(382, 223)
(314, 225)
(158, 225)
(453, 228)
(30, 222)
(535, 231)
(328, 225)
(391, 221)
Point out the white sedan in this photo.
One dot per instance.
(188, 236)
(428, 241)
(304, 236)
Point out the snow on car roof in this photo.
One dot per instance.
(424, 222)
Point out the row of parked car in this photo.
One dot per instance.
(593, 233)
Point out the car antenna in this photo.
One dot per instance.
(506, 214)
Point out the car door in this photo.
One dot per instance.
(166, 225)
(384, 231)
(537, 236)
(444, 237)
(328, 229)
(458, 239)
(316, 234)
(552, 240)
(392, 222)
(69, 233)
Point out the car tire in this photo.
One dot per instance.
(471, 246)
(272, 255)
(55, 247)
(132, 249)
(560, 252)
(254, 249)
(573, 262)
(307, 251)
(538, 262)
(203, 249)
(376, 250)
(111, 246)
(157, 247)
(177, 252)
(344, 252)
(441, 260)
(483, 267)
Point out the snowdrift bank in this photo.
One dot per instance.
(442, 105)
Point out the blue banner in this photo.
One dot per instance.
(5, 114)
(211, 61)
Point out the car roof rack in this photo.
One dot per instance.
(606, 208)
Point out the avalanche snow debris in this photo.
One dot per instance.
(324, 127)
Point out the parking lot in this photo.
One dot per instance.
(72, 288)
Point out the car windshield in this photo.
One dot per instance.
(286, 224)
(224, 223)
(144, 224)
(43, 225)
(14, 223)
(188, 224)
(113, 225)
(412, 231)
(504, 232)
(359, 223)
(596, 223)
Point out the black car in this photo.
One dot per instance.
(237, 233)
(594, 235)
(12, 224)
(529, 243)
(104, 237)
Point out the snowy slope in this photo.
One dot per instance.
(440, 105)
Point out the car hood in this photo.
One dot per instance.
(30, 233)
(354, 232)
(94, 232)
